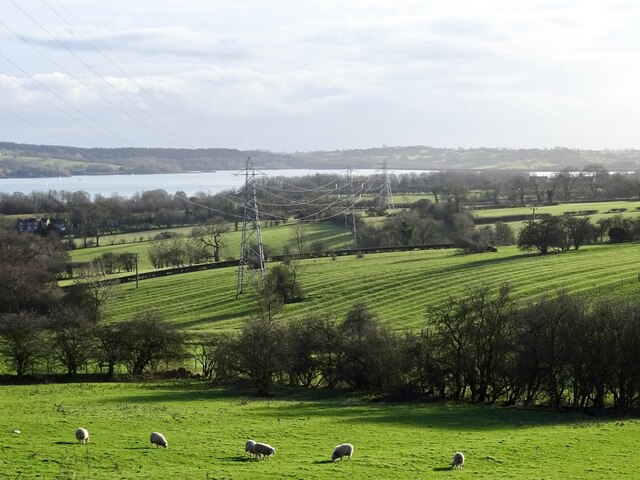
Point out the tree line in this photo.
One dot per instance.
(314, 197)
(560, 351)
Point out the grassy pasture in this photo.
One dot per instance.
(397, 286)
(601, 207)
(62, 163)
(604, 210)
(274, 239)
(207, 428)
(405, 197)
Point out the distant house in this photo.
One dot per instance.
(36, 225)
(30, 225)
(58, 224)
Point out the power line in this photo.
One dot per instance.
(141, 86)
(86, 85)
(301, 189)
(106, 129)
(89, 67)
(31, 123)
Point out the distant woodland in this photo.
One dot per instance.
(23, 160)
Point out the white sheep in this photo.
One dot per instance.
(262, 450)
(82, 435)
(457, 461)
(158, 439)
(249, 447)
(344, 450)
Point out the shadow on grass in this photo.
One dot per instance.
(442, 469)
(446, 416)
(157, 391)
(67, 443)
(322, 462)
(241, 459)
(213, 319)
(137, 448)
(470, 265)
(358, 409)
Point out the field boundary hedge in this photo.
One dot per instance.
(273, 258)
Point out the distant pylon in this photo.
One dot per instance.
(251, 248)
(387, 194)
(350, 211)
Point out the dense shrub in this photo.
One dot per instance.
(561, 351)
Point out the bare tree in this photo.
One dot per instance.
(72, 338)
(148, 340)
(518, 188)
(21, 339)
(299, 234)
(212, 235)
(91, 291)
(261, 351)
(566, 179)
(597, 175)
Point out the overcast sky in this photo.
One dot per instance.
(297, 75)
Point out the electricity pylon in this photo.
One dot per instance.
(251, 248)
(350, 211)
(387, 194)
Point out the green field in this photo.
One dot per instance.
(207, 428)
(274, 238)
(601, 207)
(604, 210)
(397, 286)
(57, 163)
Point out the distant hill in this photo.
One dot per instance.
(24, 160)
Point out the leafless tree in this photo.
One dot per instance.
(212, 235)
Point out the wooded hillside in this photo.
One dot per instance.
(23, 160)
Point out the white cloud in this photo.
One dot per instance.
(331, 74)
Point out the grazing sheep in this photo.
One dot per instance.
(344, 450)
(262, 450)
(249, 447)
(457, 461)
(82, 435)
(158, 439)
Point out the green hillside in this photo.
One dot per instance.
(398, 286)
(34, 160)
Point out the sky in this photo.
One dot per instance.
(302, 75)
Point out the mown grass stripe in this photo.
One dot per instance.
(400, 287)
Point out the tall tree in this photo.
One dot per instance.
(212, 235)
(596, 175)
(21, 339)
(542, 234)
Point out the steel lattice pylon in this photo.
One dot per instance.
(251, 248)
(350, 213)
(388, 195)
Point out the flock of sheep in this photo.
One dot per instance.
(262, 450)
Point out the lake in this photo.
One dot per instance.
(127, 185)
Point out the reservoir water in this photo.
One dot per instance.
(127, 185)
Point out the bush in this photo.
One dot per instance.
(618, 235)
(164, 236)
(282, 281)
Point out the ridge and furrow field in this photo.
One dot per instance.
(397, 286)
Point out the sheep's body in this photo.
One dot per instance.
(82, 435)
(262, 450)
(158, 439)
(344, 450)
(250, 447)
(458, 460)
